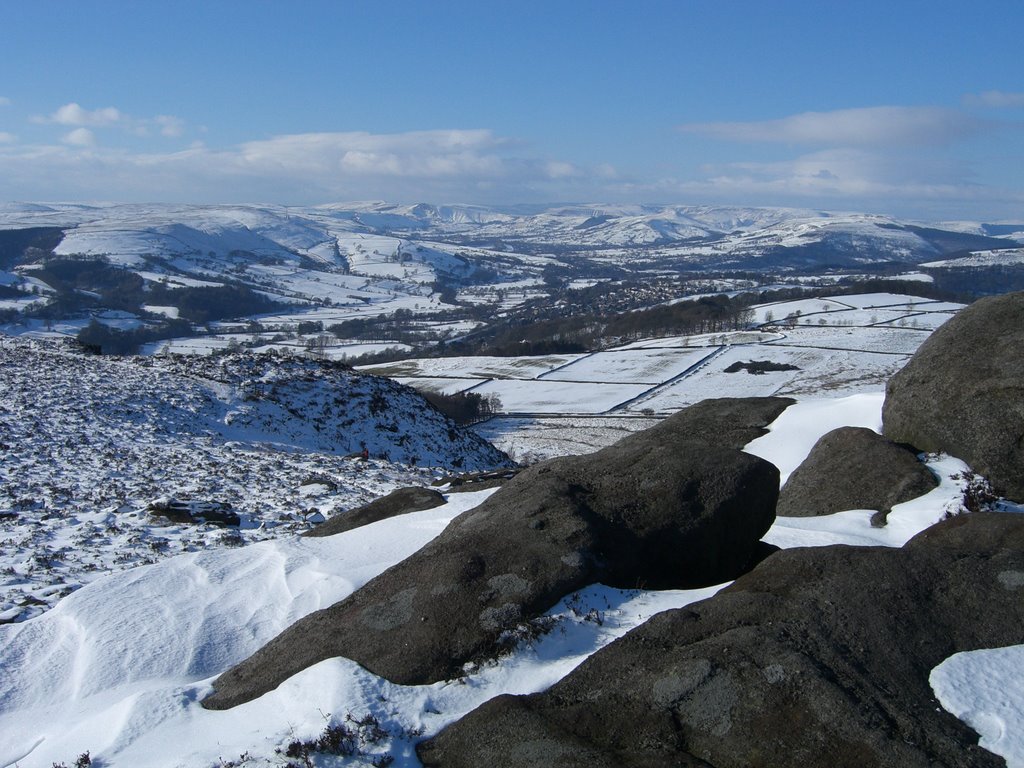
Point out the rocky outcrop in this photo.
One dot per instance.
(476, 481)
(184, 511)
(399, 502)
(854, 468)
(963, 392)
(678, 505)
(818, 657)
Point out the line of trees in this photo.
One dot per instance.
(104, 340)
(464, 407)
(85, 284)
(585, 332)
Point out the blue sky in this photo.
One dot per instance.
(909, 108)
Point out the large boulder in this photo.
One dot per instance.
(963, 392)
(819, 657)
(854, 468)
(398, 502)
(185, 511)
(678, 505)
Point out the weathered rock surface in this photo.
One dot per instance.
(476, 481)
(677, 505)
(854, 468)
(963, 392)
(818, 657)
(187, 512)
(398, 502)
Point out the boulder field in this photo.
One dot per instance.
(818, 657)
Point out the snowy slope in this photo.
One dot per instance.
(90, 443)
(1006, 257)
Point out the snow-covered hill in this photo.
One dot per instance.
(300, 272)
(131, 234)
(1008, 257)
(90, 443)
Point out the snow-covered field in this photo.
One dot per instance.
(813, 369)
(475, 367)
(844, 344)
(333, 349)
(118, 667)
(533, 438)
(705, 340)
(926, 321)
(860, 310)
(559, 397)
(439, 384)
(1009, 256)
(893, 339)
(650, 366)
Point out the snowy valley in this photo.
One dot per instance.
(364, 278)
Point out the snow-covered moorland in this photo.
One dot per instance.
(90, 443)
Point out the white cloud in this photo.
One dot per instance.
(7, 138)
(481, 167)
(73, 114)
(909, 184)
(997, 99)
(557, 169)
(169, 125)
(865, 127)
(443, 153)
(80, 137)
(166, 125)
(851, 171)
(877, 158)
(440, 165)
(4, 101)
